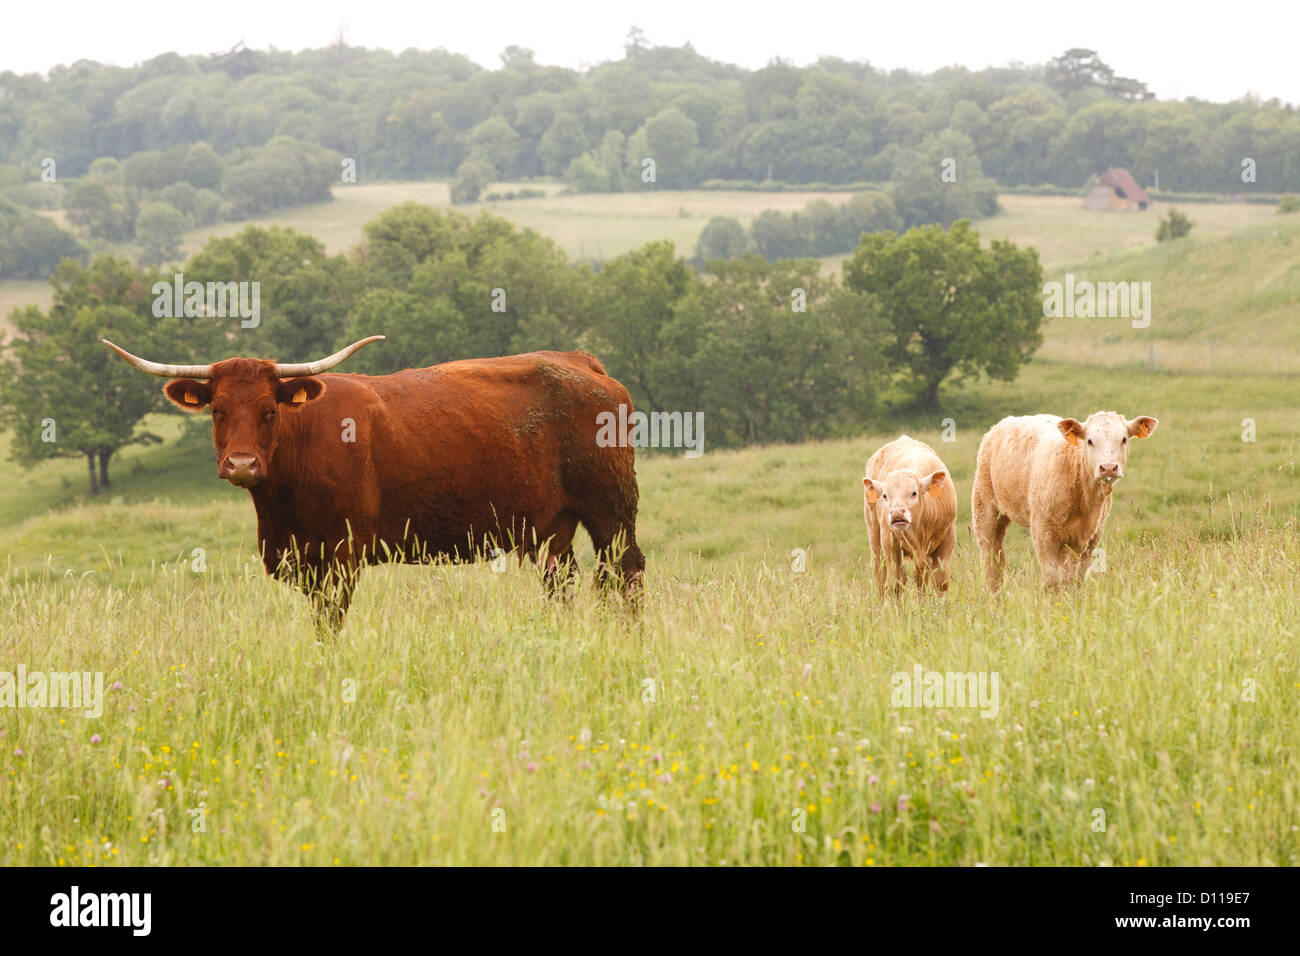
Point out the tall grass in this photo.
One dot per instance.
(742, 717)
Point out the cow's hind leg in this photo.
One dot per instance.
(618, 558)
(990, 534)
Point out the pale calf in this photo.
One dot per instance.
(1054, 476)
(910, 508)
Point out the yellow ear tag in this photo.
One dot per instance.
(300, 396)
(1072, 438)
(191, 398)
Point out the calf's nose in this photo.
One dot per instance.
(1108, 470)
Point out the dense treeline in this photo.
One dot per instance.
(146, 153)
(767, 351)
(422, 113)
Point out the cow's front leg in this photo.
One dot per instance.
(331, 598)
(1053, 558)
(939, 558)
(897, 572)
(327, 584)
(329, 588)
(1086, 558)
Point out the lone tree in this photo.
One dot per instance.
(472, 177)
(1080, 69)
(949, 305)
(722, 238)
(62, 393)
(922, 194)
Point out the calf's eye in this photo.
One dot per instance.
(1089, 442)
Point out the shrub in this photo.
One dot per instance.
(1174, 226)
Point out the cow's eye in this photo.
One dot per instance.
(269, 416)
(1124, 440)
(1089, 442)
(914, 494)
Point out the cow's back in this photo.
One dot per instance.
(1013, 456)
(904, 453)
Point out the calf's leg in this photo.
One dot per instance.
(990, 533)
(939, 558)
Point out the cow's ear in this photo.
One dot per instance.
(1071, 429)
(1142, 426)
(934, 483)
(298, 391)
(872, 491)
(188, 394)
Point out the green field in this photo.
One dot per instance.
(771, 689)
(744, 716)
(604, 225)
(1219, 302)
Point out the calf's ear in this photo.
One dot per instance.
(188, 394)
(872, 491)
(298, 391)
(1142, 426)
(934, 483)
(1071, 429)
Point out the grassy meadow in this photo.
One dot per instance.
(745, 715)
(1226, 302)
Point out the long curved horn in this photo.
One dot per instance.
(325, 364)
(156, 368)
(205, 371)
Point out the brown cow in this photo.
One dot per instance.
(446, 461)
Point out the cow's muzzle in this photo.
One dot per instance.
(899, 520)
(1109, 472)
(241, 470)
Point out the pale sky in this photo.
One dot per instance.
(1216, 51)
